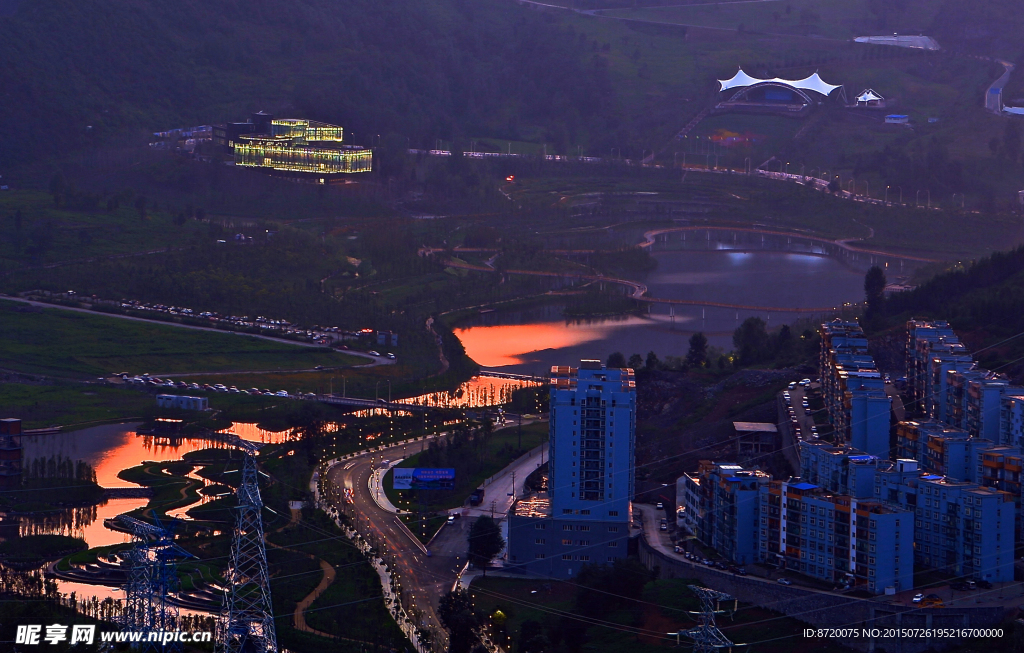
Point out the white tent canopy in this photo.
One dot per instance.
(811, 83)
(869, 95)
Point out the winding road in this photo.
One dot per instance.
(429, 571)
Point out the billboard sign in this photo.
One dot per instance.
(423, 478)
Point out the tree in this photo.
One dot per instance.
(1012, 141)
(652, 361)
(140, 206)
(874, 288)
(485, 542)
(532, 638)
(698, 354)
(58, 187)
(635, 362)
(456, 612)
(616, 360)
(751, 340)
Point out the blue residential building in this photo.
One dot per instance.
(585, 516)
(962, 528)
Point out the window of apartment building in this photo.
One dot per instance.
(541, 526)
(871, 560)
(566, 511)
(871, 548)
(566, 556)
(566, 527)
(613, 513)
(584, 512)
(538, 556)
(567, 542)
(583, 528)
(583, 543)
(613, 529)
(584, 558)
(613, 543)
(540, 540)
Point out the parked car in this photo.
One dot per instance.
(917, 598)
(660, 506)
(983, 584)
(373, 353)
(932, 601)
(784, 581)
(391, 356)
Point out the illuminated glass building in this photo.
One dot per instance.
(293, 147)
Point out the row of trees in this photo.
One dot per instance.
(58, 467)
(753, 344)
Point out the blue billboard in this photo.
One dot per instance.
(423, 478)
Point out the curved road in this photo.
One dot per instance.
(425, 576)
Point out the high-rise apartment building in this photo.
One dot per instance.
(585, 516)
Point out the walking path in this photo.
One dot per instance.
(299, 617)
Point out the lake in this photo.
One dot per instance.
(530, 341)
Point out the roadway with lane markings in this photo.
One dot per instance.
(426, 573)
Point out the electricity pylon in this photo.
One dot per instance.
(152, 579)
(247, 620)
(707, 638)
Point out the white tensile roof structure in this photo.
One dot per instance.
(811, 83)
(869, 95)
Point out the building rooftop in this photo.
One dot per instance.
(532, 507)
(755, 427)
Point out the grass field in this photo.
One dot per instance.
(46, 233)
(740, 200)
(77, 345)
(69, 403)
(835, 19)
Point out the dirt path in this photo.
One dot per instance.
(299, 617)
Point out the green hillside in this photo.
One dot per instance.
(78, 74)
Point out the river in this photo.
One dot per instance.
(530, 341)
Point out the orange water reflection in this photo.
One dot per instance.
(501, 345)
(86, 523)
(479, 391)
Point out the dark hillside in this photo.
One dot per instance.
(984, 302)
(85, 73)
